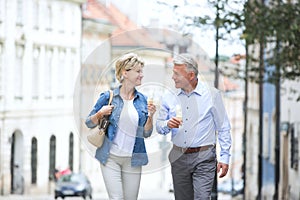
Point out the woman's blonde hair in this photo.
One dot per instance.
(127, 62)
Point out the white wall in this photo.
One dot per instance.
(48, 108)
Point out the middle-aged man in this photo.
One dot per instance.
(195, 118)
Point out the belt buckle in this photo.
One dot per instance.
(183, 150)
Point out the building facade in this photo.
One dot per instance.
(289, 185)
(39, 61)
(261, 140)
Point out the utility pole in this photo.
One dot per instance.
(260, 131)
(277, 122)
(245, 107)
(214, 195)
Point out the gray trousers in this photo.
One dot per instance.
(193, 174)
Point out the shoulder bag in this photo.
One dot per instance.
(97, 134)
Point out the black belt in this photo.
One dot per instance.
(192, 149)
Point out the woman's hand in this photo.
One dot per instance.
(151, 110)
(106, 110)
(149, 122)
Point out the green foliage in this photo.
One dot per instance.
(228, 17)
(277, 24)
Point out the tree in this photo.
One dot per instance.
(223, 23)
(275, 27)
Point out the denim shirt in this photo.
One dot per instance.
(139, 154)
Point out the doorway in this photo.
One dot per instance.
(16, 163)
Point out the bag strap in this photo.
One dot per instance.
(109, 102)
(110, 97)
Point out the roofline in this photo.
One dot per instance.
(98, 25)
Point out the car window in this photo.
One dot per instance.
(71, 178)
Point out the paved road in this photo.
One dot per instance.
(155, 195)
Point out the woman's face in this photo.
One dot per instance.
(135, 75)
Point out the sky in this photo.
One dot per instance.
(143, 11)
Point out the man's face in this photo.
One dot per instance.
(181, 76)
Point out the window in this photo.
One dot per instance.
(19, 20)
(48, 18)
(1, 71)
(266, 136)
(73, 26)
(52, 157)
(35, 73)
(70, 75)
(61, 74)
(2, 11)
(295, 129)
(36, 16)
(33, 160)
(71, 150)
(18, 74)
(62, 25)
(48, 73)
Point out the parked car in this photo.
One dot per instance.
(74, 184)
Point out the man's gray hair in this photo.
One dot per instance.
(188, 60)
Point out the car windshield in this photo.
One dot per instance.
(71, 178)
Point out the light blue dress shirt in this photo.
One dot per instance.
(204, 118)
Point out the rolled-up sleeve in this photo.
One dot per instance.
(89, 123)
(148, 133)
(162, 119)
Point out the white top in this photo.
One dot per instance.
(124, 140)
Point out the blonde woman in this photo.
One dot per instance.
(123, 152)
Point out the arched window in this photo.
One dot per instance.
(33, 160)
(52, 157)
(71, 151)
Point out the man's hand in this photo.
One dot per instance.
(224, 168)
(174, 122)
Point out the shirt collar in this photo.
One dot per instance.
(200, 89)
